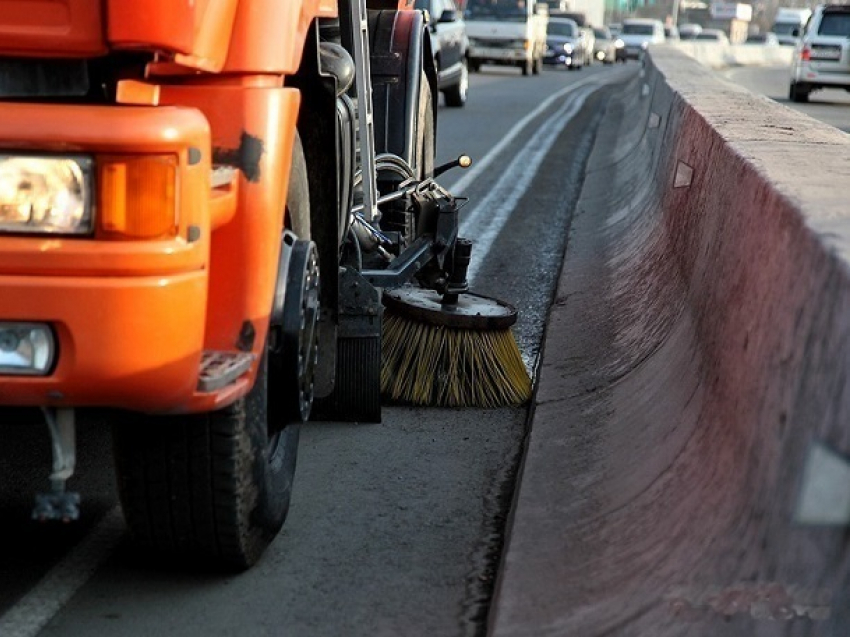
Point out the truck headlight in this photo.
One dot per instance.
(40, 194)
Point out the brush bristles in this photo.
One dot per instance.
(438, 366)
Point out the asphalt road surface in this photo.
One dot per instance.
(831, 106)
(394, 529)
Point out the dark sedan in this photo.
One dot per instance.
(566, 45)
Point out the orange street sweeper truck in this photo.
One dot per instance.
(201, 204)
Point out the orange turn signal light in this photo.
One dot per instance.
(138, 195)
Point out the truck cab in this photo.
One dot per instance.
(789, 24)
(507, 33)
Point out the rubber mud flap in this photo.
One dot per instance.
(357, 392)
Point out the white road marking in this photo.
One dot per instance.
(33, 611)
(472, 173)
(485, 220)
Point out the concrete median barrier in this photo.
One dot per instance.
(687, 467)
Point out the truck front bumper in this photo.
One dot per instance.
(127, 314)
(129, 342)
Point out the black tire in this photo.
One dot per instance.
(526, 67)
(799, 93)
(538, 66)
(474, 65)
(456, 95)
(213, 488)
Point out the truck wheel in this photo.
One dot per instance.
(538, 66)
(216, 487)
(209, 487)
(425, 131)
(526, 67)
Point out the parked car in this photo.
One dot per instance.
(712, 35)
(822, 57)
(639, 33)
(566, 44)
(763, 39)
(449, 44)
(604, 47)
(689, 31)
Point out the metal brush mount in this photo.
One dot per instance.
(436, 258)
(407, 258)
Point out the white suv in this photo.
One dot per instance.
(822, 57)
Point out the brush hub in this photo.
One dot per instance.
(470, 311)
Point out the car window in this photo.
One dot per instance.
(510, 10)
(638, 29)
(602, 34)
(835, 24)
(562, 28)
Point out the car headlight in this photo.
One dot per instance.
(619, 43)
(568, 48)
(644, 45)
(45, 194)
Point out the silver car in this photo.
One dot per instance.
(604, 47)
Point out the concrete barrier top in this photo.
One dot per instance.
(803, 159)
(719, 56)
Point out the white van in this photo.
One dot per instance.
(639, 33)
(507, 32)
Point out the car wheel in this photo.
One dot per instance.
(474, 65)
(456, 95)
(799, 92)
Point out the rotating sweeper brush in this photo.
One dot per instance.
(451, 349)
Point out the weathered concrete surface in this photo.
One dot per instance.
(698, 350)
(718, 56)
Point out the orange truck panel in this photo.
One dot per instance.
(255, 126)
(73, 28)
(130, 342)
(129, 315)
(252, 50)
